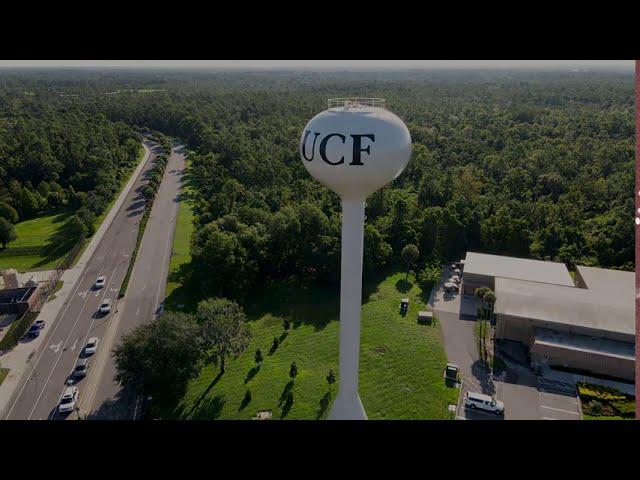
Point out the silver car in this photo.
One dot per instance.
(105, 306)
(92, 346)
(100, 282)
(80, 370)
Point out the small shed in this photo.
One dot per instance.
(425, 317)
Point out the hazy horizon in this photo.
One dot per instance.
(322, 64)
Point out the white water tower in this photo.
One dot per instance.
(354, 148)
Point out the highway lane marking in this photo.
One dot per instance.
(60, 317)
(73, 347)
(83, 294)
(548, 418)
(102, 360)
(56, 347)
(93, 319)
(559, 410)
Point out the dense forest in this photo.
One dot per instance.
(527, 164)
(56, 156)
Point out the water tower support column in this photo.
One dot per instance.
(347, 405)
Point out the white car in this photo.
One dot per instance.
(68, 400)
(105, 306)
(480, 401)
(92, 346)
(100, 282)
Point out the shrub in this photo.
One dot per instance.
(626, 408)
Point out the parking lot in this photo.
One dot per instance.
(523, 400)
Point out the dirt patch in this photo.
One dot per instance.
(380, 350)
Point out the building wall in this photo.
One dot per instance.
(591, 362)
(471, 281)
(523, 330)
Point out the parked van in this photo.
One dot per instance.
(480, 401)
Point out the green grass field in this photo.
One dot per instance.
(401, 362)
(176, 293)
(42, 242)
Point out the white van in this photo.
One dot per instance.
(483, 402)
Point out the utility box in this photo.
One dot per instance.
(425, 317)
(452, 372)
(404, 305)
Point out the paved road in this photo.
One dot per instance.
(40, 394)
(105, 399)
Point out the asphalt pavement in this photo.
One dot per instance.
(78, 320)
(105, 399)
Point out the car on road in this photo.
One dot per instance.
(92, 346)
(101, 281)
(68, 400)
(34, 331)
(480, 401)
(80, 370)
(105, 306)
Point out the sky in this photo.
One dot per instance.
(322, 64)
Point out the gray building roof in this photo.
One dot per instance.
(608, 302)
(517, 268)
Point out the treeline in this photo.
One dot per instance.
(535, 165)
(55, 156)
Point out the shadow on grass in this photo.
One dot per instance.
(197, 405)
(285, 393)
(246, 400)
(251, 373)
(187, 294)
(288, 403)
(60, 242)
(211, 408)
(324, 405)
(403, 286)
(302, 303)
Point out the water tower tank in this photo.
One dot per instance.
(355, 146)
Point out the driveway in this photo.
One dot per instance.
(523, 397)
(456, 314)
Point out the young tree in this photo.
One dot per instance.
(293, 370)
(410, 255)
(224, 327)
(331, 379)
(259, 358)
(7, 232)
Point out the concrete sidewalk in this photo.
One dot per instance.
(20, 359)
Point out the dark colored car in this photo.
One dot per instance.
(34, 331)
